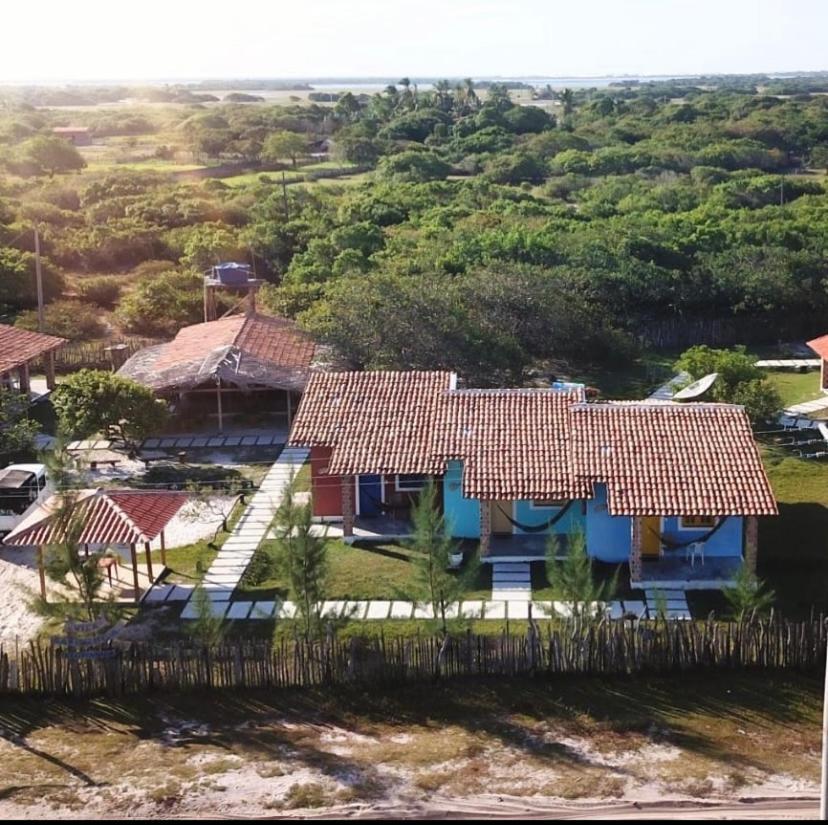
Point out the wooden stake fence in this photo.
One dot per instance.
(587, 648)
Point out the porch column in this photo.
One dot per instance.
(348, 483)
(163, 549)
(751, 542)
(485, 526)
(134, 559)
(149, 561)
(41, 569)
(635, 550)
(49, 369)
(218, 406)
(23, 376)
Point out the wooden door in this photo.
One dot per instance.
(650, 537)
(501, 512)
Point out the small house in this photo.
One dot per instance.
(672, 490)
(76, 135)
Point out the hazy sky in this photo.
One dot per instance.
(67, 40)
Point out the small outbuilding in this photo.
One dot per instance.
(239, 364)
(19, 349)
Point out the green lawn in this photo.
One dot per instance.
(796, 387)
(360, 572)
(793, 548)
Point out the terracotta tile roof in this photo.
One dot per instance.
(656, 458)
(513, 443)
(667, 459)
(376, 422)
(820, 346)
(109, 517)
(19, 346)
(241, 350)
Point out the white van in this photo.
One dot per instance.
(22, 486)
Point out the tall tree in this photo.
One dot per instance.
(304, 559)
(434, 581)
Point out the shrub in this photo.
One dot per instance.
(68, 319)
(103, 291)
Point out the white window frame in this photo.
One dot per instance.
(694, 527)
(407, 489)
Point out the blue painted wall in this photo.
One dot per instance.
(727, 540)
(462, 514)
(608, 537)
(573, 519)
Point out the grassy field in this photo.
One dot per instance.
(706, 736)
(796, 387)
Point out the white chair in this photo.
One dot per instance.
(693, 551)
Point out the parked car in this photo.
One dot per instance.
(22, 486)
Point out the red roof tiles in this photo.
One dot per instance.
(513, 443)
(19, 346)
(667, 459)
(656, 459)
(376, 422)
(109, 517)
(820, 346)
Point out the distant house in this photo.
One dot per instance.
(19, 350)
(240, 364)
(820, 347)
(77, 135)
(672, 490)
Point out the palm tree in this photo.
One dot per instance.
(567, 98)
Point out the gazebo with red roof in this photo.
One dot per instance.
(109, 517)
(19, 348)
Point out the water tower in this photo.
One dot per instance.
(230, 277)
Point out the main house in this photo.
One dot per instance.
(674, 490)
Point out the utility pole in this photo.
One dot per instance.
(39, 277)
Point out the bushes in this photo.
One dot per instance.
(103, 291)
(18, 288)
(68, 319)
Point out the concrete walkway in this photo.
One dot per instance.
(225, 573)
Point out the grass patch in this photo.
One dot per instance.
(796, 387)
(793, 556)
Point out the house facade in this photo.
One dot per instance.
(673, 490)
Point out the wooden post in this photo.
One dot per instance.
(751, 542)
(149, 561)
(348, 484)
(134, 557)
(163, 550)
(485, 527)
(218, 406)
(289, 411)
(635, 550)
(49, 369)
(41, 571)
(23, 376)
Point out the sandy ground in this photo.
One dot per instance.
(19, 577)
(355, 757)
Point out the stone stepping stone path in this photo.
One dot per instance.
(511, 581)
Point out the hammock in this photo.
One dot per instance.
(537, 528)
(679, 545)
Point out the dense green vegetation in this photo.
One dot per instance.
(492, 236)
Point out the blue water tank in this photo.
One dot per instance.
(232, 273)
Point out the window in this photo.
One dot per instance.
(410, 483)
(546, 503)
(697, 522)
